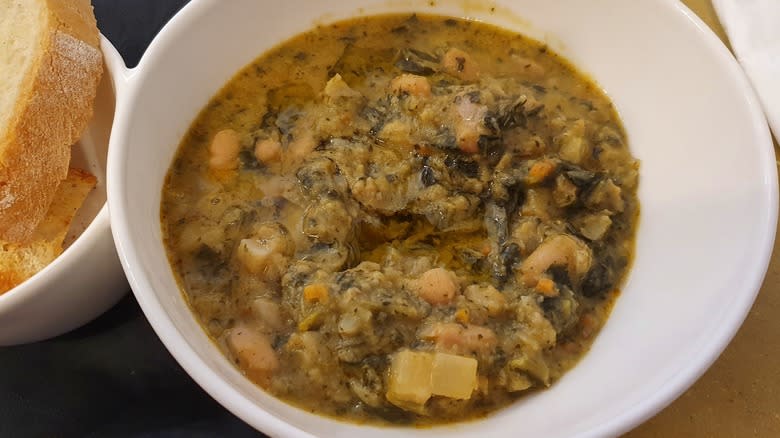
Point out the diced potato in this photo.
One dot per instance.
(539, 203)
(527, 234)
(565, 192)
(336, 87)
(606, 196)
(416, 376)
(573, 145)
(453, 376)
(594, 226)
(574, 149)
(410, 378)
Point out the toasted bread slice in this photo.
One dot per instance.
(51, 65)
(20, 261)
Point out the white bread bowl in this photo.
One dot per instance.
(86, 279)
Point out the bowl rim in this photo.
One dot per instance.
(182, 350)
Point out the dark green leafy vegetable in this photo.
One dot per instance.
(416, 62)
(209, 260)
(427, 176)
(466, 166)
(510, 256)
(472, 258)
(510, 114)
(286, 120)
(560, 275)
(321, 176)
(248, 160)
(515, 199)
(268, 120)
(534, 111)
(562, 311)
(497, 227)
(376, 115)
(491, 147)
(581, 178)
(600, 279)
(445, 139)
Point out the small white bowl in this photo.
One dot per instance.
(86, 279)
(708, 193)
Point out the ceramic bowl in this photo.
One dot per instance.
(708, 193)
(86, 279)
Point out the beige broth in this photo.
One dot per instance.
(403, 196)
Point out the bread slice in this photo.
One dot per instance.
(51, 65)
(20, 261)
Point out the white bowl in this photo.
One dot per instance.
(86, 279)
(708, 193)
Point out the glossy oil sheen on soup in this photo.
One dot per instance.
(403, 219)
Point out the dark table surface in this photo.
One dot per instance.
(113, 377)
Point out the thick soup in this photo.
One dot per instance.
(403, 219)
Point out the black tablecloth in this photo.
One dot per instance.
(113, 377)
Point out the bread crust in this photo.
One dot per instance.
(52, 112)
(19, 262)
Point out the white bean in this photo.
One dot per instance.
(560, 250)
(412, 84)
(460, 64)
(268, 150)
(254, 353)
(223, 151)
(437, 286)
